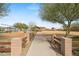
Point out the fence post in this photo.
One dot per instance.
(28, 37)
(66, 46)
(16, 46)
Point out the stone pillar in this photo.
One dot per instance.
(16, 46)
(66, 46)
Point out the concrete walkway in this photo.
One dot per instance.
(40, 47)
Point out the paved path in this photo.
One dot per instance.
(40, 47)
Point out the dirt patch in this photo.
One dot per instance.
(73, 33)
(13, 34)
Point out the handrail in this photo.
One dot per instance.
(62, 45)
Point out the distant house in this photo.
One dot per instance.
(9, 29)
(42, 28)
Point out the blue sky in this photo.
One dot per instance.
(26, 13)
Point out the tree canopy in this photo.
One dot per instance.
(20, 26)
(4, 9)
(62, 13)
(32, 26)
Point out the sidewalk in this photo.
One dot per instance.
(40, 47)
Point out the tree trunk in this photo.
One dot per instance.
(68, 29)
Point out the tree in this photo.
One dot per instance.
(62, 13)
(4, 9)
(32, 26)
(20, 26)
